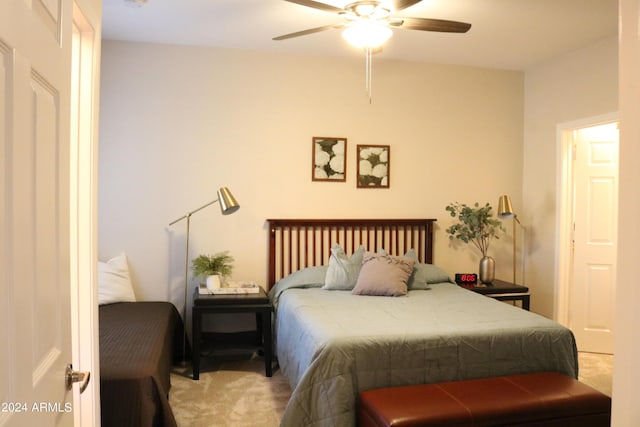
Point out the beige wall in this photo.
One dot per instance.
(178, 122)
(578, 85)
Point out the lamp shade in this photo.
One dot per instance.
(505, 209)
(228, 203)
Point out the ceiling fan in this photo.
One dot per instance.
(376, 14)
(368, 23)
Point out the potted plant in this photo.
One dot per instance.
(213, 267)
(476, 225)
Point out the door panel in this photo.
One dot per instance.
(49, 281)
(594, 273)
(49, 13)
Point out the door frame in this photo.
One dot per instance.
(564, 212)
(83, 210)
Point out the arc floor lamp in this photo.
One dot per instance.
(228, 205)
(505, 211)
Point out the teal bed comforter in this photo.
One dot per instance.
(332, 344)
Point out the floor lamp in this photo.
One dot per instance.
(228, 205)
(505, 211)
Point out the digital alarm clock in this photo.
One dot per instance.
(466, 279)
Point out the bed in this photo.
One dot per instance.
(137, 349)
(332, 344)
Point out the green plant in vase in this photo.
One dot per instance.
(476, 225)
(213, 267)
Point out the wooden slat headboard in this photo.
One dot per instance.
(298, 243)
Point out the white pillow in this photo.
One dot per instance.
(114, 282)
(343, 270)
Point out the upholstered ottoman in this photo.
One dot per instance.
(532, 400)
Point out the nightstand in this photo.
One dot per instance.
(503, 291)
(258, 303)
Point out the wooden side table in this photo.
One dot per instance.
(504, 291)
(245, 303)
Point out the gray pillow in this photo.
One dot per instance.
(308, 276)
(343, 270)
(384, 275)
(425, 274)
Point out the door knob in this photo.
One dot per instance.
(72, 376)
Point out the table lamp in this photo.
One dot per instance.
(505, 211)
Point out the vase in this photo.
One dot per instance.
(213, 282)
(487, 269)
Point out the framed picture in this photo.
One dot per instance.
(373, 166)
(329, 161)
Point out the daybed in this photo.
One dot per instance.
(331, 344)
(138, 344)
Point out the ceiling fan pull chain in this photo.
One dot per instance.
(370, 74)
(368, 71)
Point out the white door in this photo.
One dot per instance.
(35, 345)
(595, 243)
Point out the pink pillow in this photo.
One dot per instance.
(384, 275)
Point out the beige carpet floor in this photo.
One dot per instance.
(596, 369)
(231, 392)
(234, 392)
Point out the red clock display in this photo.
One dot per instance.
(466, 278)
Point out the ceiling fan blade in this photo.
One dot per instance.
(317, 5)
(403, 4)
(426, 24)
(309, 31)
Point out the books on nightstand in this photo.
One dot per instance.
(231, 288)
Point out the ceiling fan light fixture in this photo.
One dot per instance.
(364, 9)
(367, 34)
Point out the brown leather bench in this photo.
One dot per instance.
(533, 400)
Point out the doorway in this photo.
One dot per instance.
(587, 225)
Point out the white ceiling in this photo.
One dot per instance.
(508, 34)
